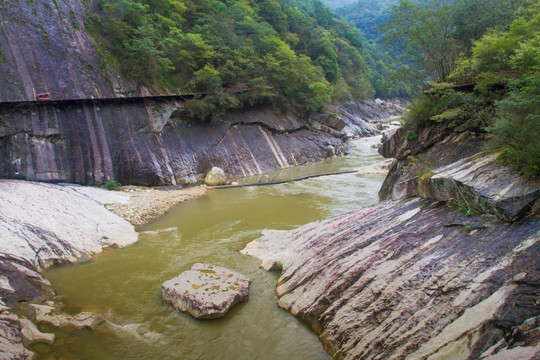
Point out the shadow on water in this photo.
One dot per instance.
(125, 284)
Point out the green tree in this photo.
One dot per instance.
(424, 29)
(148, 61)
(271, 11)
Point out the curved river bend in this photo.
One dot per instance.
(125, 284)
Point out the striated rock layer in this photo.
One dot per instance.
(146, 143)
(411, 279)
(446, 166)
(44, 224)
(448, 270)
(44, 46)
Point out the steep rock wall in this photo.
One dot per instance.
(432, 278)
(143, 142)
(359, 118)
(44, 46)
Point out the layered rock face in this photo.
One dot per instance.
(42, 225)
(445, 166)
(143, 142)
(44, 46)
(452, 276)
(413, 280)
(357, 118)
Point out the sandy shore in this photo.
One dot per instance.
(147, 204)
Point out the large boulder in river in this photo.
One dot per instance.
(206, 291)
(215, 177)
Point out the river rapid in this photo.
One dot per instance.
(125, 284)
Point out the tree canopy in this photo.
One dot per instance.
(290, 54)
(504, 65)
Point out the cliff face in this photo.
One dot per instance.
(454, 275)
(446, 166)
(44, 46)
(143, 142)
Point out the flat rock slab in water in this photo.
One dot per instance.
(206, 291)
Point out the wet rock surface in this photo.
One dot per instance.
(411, 279)
(206, 291)
(31, 334)
(49, 314)
(57, 55)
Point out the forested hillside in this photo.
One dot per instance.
(285, 53)
(367, 15)
(486, 60)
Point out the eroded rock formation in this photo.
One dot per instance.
(454, 168)
(42, 225)
(411, 279)
(432, 278)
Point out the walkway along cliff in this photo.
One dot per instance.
(144, 142)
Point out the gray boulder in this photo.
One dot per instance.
(215, 177)
(206, 291)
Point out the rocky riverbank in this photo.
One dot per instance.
(42, 225)
(147, 204)
(449, 269)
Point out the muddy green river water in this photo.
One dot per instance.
(125, 284)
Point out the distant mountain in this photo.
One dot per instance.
(334, 4)
(366, 15)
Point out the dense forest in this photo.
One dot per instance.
(289, 54)
(492, 48)
(298, 55)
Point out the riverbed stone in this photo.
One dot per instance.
(31, 334)
(206, 291)
(215, 177)
(42, 313)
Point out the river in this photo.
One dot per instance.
(125, 284)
